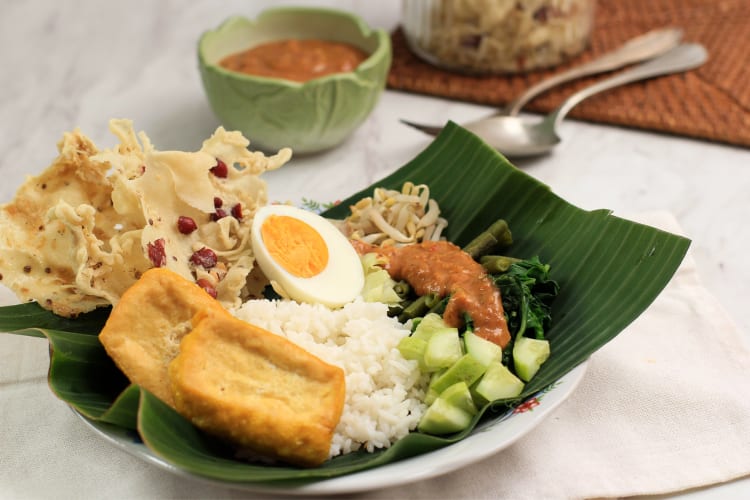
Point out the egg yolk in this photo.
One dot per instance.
(294, 245)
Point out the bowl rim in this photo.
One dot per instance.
(382, 50)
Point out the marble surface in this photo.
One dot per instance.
(80, 63)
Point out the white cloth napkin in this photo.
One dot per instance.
(664, 407)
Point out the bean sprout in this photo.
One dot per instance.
(391, 217)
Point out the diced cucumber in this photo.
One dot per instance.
(443, 349)
(483, 350)
(466, 369)
(430, 324)
(498, 382)
(443, 418)
(413, 348)
(459, 395)
(431, 395)
(528, 356)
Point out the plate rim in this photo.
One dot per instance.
(446, 459)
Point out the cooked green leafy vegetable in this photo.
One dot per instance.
(528, 292)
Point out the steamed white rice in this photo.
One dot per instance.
(384, 391)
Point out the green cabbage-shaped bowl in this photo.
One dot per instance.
(272, 112)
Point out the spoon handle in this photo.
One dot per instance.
(637, 49)
(681, 58)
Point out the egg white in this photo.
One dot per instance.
(340, 282)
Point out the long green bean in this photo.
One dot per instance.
(419, 307)
(495, 264)
(402, 289)
(496, 236)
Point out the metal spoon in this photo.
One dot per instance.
(518, 137)
(640, 48)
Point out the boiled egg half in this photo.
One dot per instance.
(305, 256)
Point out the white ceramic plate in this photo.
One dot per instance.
(487, 439)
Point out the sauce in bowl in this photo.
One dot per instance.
(298, 60)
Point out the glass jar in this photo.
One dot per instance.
(497, 36)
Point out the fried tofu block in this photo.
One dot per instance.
(257, 390)
(145, 328)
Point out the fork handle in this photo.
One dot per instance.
(637, 49)
(681, 58)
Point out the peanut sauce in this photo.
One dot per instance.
(442, 268)
(298, 60)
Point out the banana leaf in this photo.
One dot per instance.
(609, 270)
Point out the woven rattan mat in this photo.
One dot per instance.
(712, 102)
